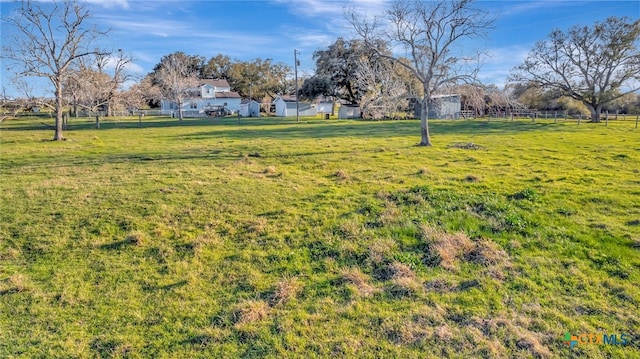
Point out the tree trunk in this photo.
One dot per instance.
(180, 110)
(425, 139)
(595, 112)
(58, 133)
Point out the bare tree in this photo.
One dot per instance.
(473, 98)
(381, 86)
(90, 89)
(50, 37)
(428, 32)
(116, 68)
(96, 82)
(176, 79)
(588, 64)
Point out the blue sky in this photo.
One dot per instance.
(248, 29)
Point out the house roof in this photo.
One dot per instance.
(444, 95)
(215, 82)
(288, 98)
(246, 101)
(227, 94)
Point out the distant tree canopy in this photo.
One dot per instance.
(590, 64)
(316, 86)
(257, 78)
(340, 64)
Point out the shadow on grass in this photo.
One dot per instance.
(148, 287)
(364, 129)
(9, 291)
(119, 244)
(287, 128)
(103, 159)
(171, 286)
(83, 124)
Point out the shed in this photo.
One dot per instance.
(324, 107)
(249, 108)
(442, 107)
(286, 107)
(349, 111)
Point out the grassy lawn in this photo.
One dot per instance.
(270, 238)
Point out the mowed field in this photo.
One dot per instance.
(271, 238)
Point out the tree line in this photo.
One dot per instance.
(587, 68)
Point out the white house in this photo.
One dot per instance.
(212, 97)
(249, 108)
(286, 107)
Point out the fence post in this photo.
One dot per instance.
(555, 117)
(637, 120)
(511, 116)
(606, 118)
(579, 117)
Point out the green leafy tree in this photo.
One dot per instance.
(591, 64)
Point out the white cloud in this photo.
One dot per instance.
(497, 64)
(109, 4)
(334, 8)
(521, 7)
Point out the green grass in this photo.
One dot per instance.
(270, 238)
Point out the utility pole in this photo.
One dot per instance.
(295, 58)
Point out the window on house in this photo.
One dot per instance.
(194, 105)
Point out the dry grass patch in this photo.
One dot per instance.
(423, 171)
(9, 253)
(138, 238)
(342, 175)
(286, 289)
(257, 226)
(443, 332)
(351, 229)
(401, 270)
(270, 170)
(454, 247)
(404, 282)
(514, 332)
(439, 285)
(486, 253)
(250, 311)
(404, 287)
(390, 215)
(359, 280)
(449, 247)
(529, 342)
(380, 249)
(405, 333)
(209, 238)
(17, 283)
